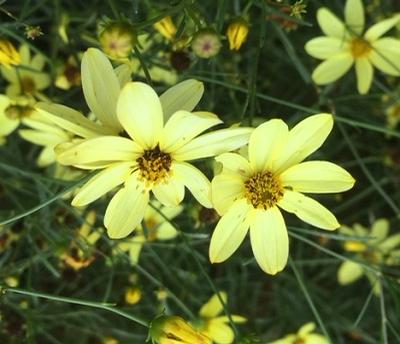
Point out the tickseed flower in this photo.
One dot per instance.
(8, 54)
(381, 249)
(206, 43)
(133, 295)
(28, 78)
(250, 192)
(166, 27)
(175, 330)
(345, 45)
(154, 227)
(305, 335)
(237, 33)
(215, 326)
(68, 74)
(153, 157)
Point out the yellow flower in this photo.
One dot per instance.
(27, 78)
(68, 75)
(133, 295)
(214, 326)
(155, 228)
(379, 250)
(345, 45)
(305, 335)
(249, 193)
(237, 33)
(393, 115)
(166, 27)
(175, 330)
(8, 54)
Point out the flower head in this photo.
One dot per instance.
(8, 54)
(346, 44)
(237, 33)
(250, 192)
(206, 43)
(305, 335)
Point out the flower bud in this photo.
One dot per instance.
(8, 54)
(237, 33)
(166, 27)
(206, 43)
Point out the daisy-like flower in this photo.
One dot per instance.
(305, 335)
(215, 326)
(345, 44)
(28, 78)
(250, 192)
(154, 227)
(381, 249)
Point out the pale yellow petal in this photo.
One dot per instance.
(136, 245)
(354, 16)
(330, 24)
(183, 96)
(266, 142)
(139, 111)
(166, 231)
(102, 183)
(46, 157)
(100, 149)
(315, 338)
(42, 138)
(230, 231)
(100, 87)
(304, 139)
(365, 74)
(220, 332)
(308, 210)
(269, 240)
(183, 126)
(195, 181)
(126, 209)
(213, 306)
(386, 56)
(349, 272)
(325, 47)
(170, 193)
(380, 229)
(235, 163)
(123, 73)
(7, 125)
(226, 188)
(214, 143)
(332, 69)
(390, 243)
(317, 177)
(306, 329)
(37, 62)
(379, 29)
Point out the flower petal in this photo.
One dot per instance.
(100, 87)
(214, 143)
(330, 24)
(226, 188)
(42, 138)
(386, 55)
(266, 142)
(7, 125)
(100, 149)
(325, 47)
(170, 193)
(46, 157)
(269, 240)
(365, 73)
(126, 209)
(304, 139)
(354, 16)
(139, 111)
(349, 272)
(235, 163)
(213, 306)
(183, 126)
(195, 181)
(380, 229)
(332, 69)
(308, 210)
(379, 29)
(230, 231)
(317, 177)
(102, 183)
(166, 231)
(219, 332)
(183, 96)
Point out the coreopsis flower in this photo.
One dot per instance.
(206, 43)
(305, 335)
(8, 54)
(250, 192)
(133, 295)
(237, 33)
(346, 44)
(27, 78)
(379, 250)
(215, 326)
(68, 74)
(153, 227)
(175, 330)
(166, 27)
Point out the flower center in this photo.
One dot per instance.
(263, 190)
(27, 85)
(18, 111)
(359, 47)
(154, 166)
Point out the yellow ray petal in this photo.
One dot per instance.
(219, 332)
(349, 272)
(385, 57)
(354, 16)
(332, 69)
(213, 306)
(235, 163)
(325, 47)
(226, 188)
(330, 24)
(170, 193)
(380, 229)
(379, 29)
(365, 74)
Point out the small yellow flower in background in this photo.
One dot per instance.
(305, 335)
(8, 54)
(249, 192)
(28, 78)
(215, 326)
(175, 330)
(12, 281)
(166, 27)
(133, 295)
(154, 227)
(379, 250)
(68, 74)
(237, 33)
(393, 115)
(345, 45)
(206, 43)
(110, 340)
